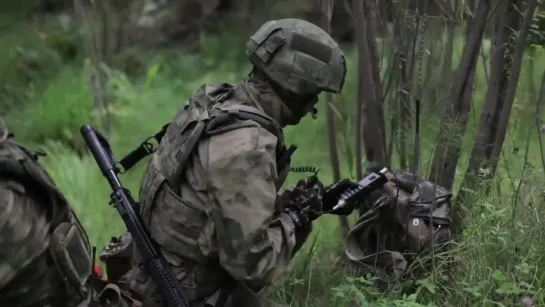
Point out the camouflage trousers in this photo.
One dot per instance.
(240, 296)
(111, 295)
(202, 285)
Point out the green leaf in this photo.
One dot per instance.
(498, 276)
(151, 75)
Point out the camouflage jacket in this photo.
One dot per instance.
(219, 221)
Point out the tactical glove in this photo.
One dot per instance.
(302, 208)
(302, 226)
(305, 199)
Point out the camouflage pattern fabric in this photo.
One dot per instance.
(299, 60)
(209, 195)
(26, 279)
(44, 253)
(401, 223)
(225, 223)
(298, 56)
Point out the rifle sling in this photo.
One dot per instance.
(145, 149)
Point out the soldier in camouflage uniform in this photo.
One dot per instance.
(217, 218)
(45, 257)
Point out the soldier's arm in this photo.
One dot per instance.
(255, 246)
(24, 230)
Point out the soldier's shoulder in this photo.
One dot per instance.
(211, 91)
(11, 152)
(248, 140)
(244, 138)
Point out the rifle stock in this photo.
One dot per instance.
(154, 262)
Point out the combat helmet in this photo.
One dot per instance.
(297, 55)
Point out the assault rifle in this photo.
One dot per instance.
(153, 260)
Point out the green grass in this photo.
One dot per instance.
(499, 259)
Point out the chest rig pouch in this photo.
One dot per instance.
(69, 247)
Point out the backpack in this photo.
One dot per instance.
(398, 225)
(69, 248)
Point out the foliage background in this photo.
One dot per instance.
(45, 98)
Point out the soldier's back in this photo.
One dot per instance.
(44, 253)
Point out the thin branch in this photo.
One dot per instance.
(326, 7)
(538, 112)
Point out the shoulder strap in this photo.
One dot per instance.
(244, 112)
(194, 138)
(240, 112)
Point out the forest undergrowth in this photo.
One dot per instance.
(499, 259)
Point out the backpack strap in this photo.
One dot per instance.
(194, 137)
(239, 112)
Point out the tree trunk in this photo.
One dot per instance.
(404, 107)
(95, 17)
(447, 72)
(495, 94)
(448, 149)
(370, 113)
(371, 20)
(358, 17)
(405, 36)
(513, 83)
(326, 7)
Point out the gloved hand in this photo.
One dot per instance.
(302, 205)
(332, 194)
(303, 202)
